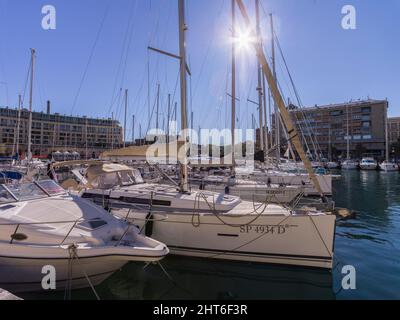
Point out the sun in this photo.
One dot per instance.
(243, 40)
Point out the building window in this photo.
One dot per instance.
(366, 110)
(366, 124)
(367, 137)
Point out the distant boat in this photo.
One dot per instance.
(388, 166)
(332, 165)
(368, 164)
(349, 164)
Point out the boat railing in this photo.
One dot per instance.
(14, 235)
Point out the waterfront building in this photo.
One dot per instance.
(325, 129)
(55, 132)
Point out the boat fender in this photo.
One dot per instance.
(148, 230)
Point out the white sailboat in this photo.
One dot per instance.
(349, 164)
(386, 165)
(40, 225)
(211, 225)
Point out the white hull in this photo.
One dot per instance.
(349, 166)
(389, 167)
(300, 240)
(368, 167)
(21, 266)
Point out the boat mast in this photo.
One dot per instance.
(30, 105)
(290, 127)
(183, 82)
(277, 115)
(259, 85)
(126, 110)
(18, 125)
(133, 129)
(387, 133)
(348, 137)
(233, 87)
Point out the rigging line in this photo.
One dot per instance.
(313, 139)
(132, 30)
(115, 92)
(207, 52)
(90, 56)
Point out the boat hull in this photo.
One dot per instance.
(300, 240)
(21, 266)
(389, 167)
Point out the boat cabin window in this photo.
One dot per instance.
(5, 196)
(121, 178)
(93, 224)
(51, 187)
(29, 191)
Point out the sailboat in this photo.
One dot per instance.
(349, 164)
(386, 165)
(214, 225)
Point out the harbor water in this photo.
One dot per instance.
(370, 243)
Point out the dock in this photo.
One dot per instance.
(5, 295)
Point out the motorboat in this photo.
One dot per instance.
(388, 166)
(332, 165)
(42, 225)
(349, 165)
(368, 164)
(206, 224)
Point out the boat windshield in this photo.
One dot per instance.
(51, 187)
(5, 196)
(28, 191)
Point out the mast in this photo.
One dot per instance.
(183, 82)
(277, 115)
(133, 129)
(259, 86)
(140, 134)
(18, 124)
(348, 137)
(33, 52)
(126, 110)
(330, 144)
(86, 136)
(290, 127)
(112, 130)
(158, 106)
(387, 132)
(168, 117)
(233, 87)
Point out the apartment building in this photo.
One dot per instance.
(325, 129)
(56, 132)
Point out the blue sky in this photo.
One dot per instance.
(329, 64)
